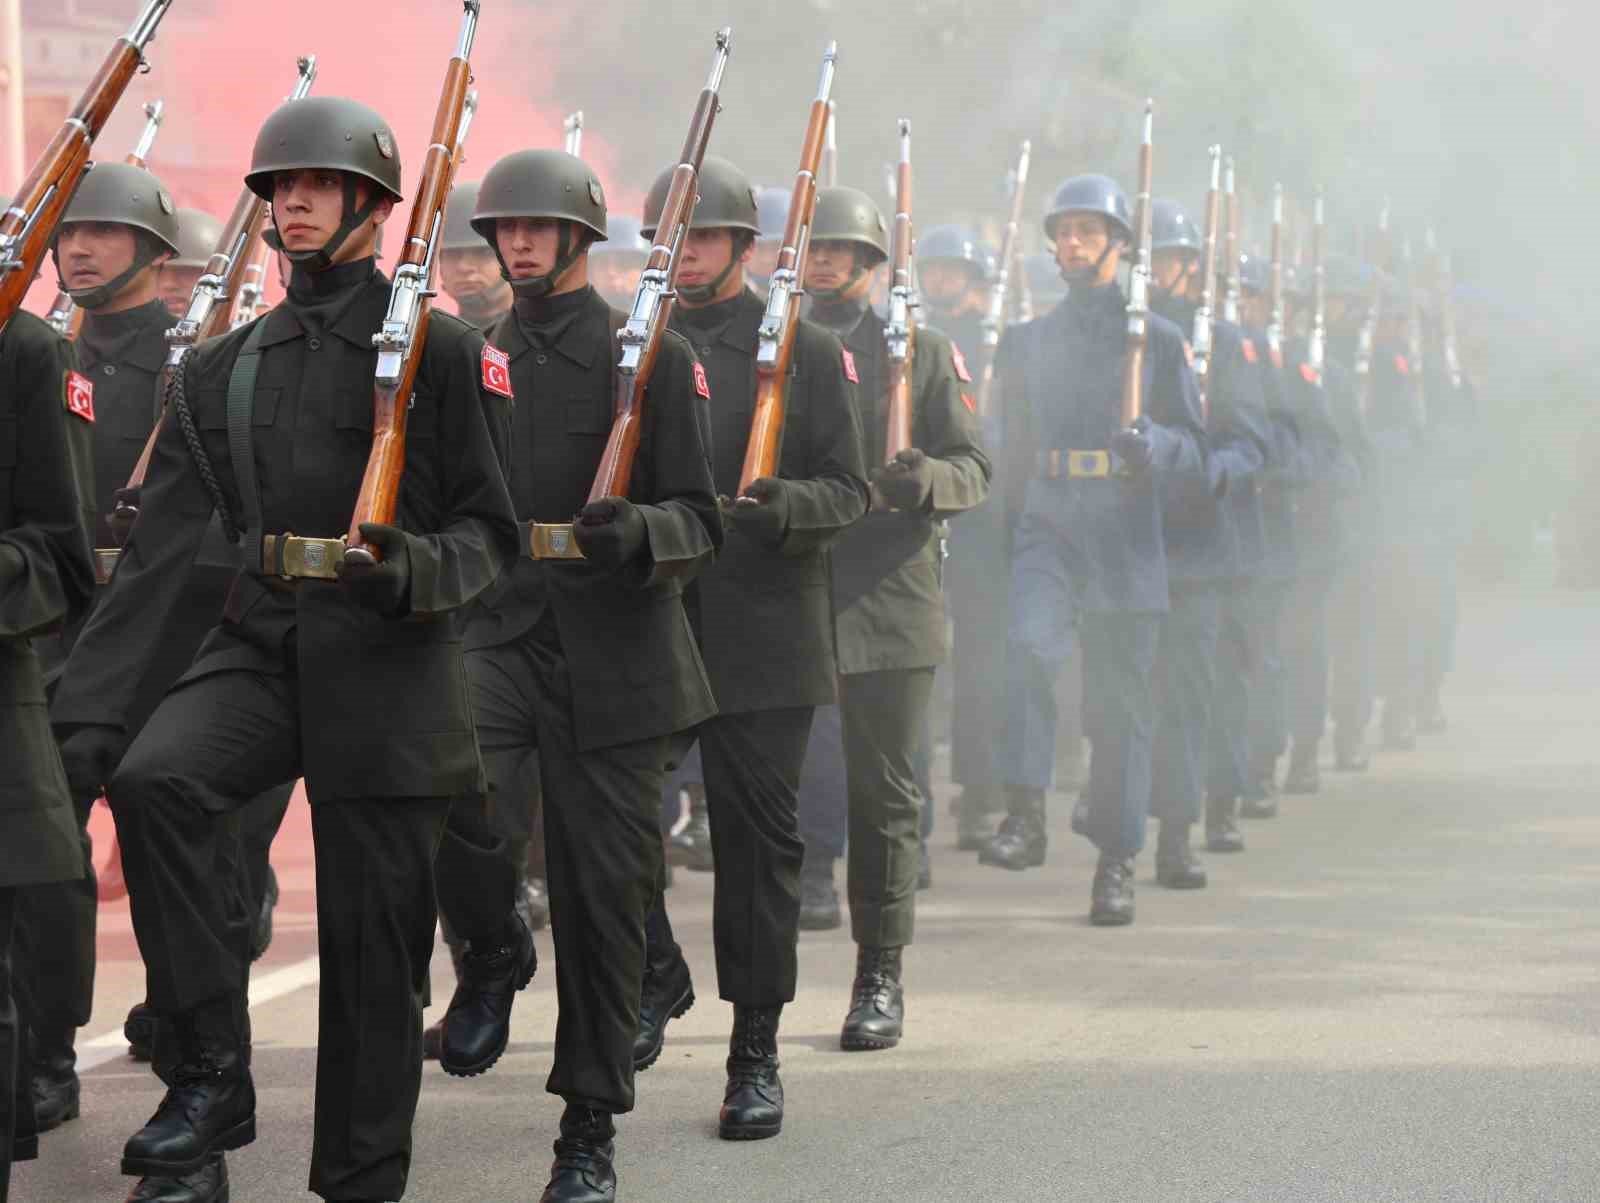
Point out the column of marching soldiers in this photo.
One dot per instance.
(691, 542)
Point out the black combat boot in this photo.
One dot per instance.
(433, 1034)
(208, 1184)
(139, 1029)
(668, 993)
(1111, 896)
(1021, 841)
(1303, 776)
(1350, 751)
(55, 1078)
(691, 847)
(261, 935)
(1177, 867)
(583, 1171)
(877, 1015)
(752, 1105)
(819, 900)
(210, 1104)
(973, 809)
(1222, 826)
(477, 1024)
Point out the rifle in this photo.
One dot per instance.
(252, 288)
(208, 313)
(830, 149)
(1367, 338)
(775, 338)
(1024, 285)
(1443, 278)
(1139, 278)
(29, 226)
(1275, 317)
(899, 330)
(65, 318)
(1230, 288)
(994, 321)
(1317, 343)
(1205, 314)
(1419, 394)
(572, 127)
(404, 333)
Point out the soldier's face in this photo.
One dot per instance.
(1081, 240)
(530, 246)
(945, 283)
(829, 264)
(1173, 270)
(92, 253)
(308, 209)
(468, 273)
(177, 286)
(707, 254)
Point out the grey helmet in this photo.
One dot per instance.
(130, 196)
(549, 184)
(1091, 194)
(726, 200)
(849, 215)
(198, 235)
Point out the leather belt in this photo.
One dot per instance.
(1076, 465)
(105, 560)
(553, 541)
(293, 558)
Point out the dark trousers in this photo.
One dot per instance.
(1184, 685)
(1268, 706)
(1119, 653)
(602, 853)
(212, 746)
(1352, 645)
(1305, 660)
(1228, 766)
(883, 715)
(824, 790)
(16, 1096)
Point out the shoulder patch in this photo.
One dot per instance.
(1248, 346)
(961, 364)
(1308, 373)
(1402, 365)
(496, 371)
(77, 394)
(850, 367)
(700, 384)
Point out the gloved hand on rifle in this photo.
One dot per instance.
(763, 512)
(124, 512)
(384, 587)
(906, 482)
(90, 755)
(1135, 447)
(610, 532)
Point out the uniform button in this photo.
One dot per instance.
(315, 344)
(542, 359)
(110, 369)
(705, 350)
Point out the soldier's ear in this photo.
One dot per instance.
(382, 210)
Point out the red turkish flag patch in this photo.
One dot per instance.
(1248, 346)
(969, 402)
(1402, 365)
(850, 367)
(700, 384)
(78, 394)
(496, 371)
(961, 363)
(1309, 373)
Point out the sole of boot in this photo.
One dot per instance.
(1213, 844)
(455, 1069)
(749, 1131)
(1110, 919)
(69, 1112)
(1034, 861)
(1171, 882)
(866, 1044)
(679, 1010)
(236, 1137)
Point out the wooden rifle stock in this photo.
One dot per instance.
(1317, 345)
(1139, 279)
(404, 333)
(641, 337)
(994, 321)
(1204, 316)
(28, 227)
(1230, 277)
(775, 346)
(1275, 310)
(900, 330)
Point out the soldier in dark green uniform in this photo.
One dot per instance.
(762, 617)
(351, 677)
(888, 602)
(46, 580)
(468, 270)
(587, 662)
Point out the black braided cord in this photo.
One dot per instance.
(178, 402)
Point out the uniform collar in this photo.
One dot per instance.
(356, 323)
(137, 337)
(741, 322)
(587, 337)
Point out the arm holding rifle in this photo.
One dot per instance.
(946, 470)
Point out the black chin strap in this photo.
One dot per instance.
(351, 220)
(1088, 275)
(702, 294)
(838, 296)
(568, 249)
(145, 251)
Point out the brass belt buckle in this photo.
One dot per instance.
(317, 559)
(1088, 465)
(553, 541)
(105, 561)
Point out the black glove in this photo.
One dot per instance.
(124, 511)
(90, 756)
(762, 514)
(1135, 447)
(610, 532)
(384, 587)
(906, 482)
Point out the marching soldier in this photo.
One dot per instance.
(198, 233)
(588, 662)
(887, 599)
(46, 580)
(762, 614)
(468, 270)
(1089, 561)
(1213, 539)
(350, 677)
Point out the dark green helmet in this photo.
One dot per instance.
(1091, 194)
(848, 215)
(727, 201)
(325, 132)
(131, 196)
(1172, 229)
(458, 234)
(955, 244)
(198, 233)
(541, 183)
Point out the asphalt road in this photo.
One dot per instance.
(1391, 996)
